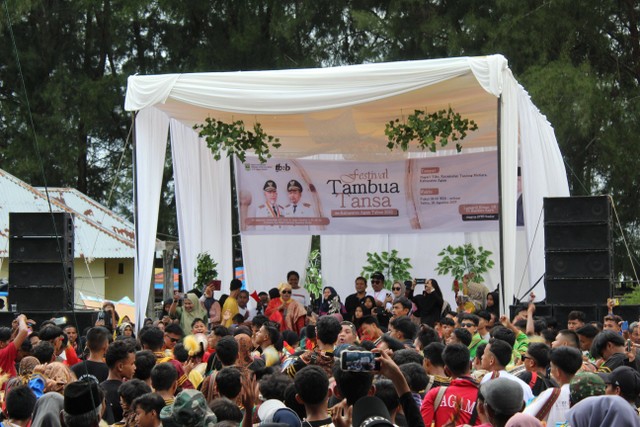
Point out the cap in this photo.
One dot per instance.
(369, 411)
(275, 411)
(270, 185)
(503, 395)
(585, 384)
(625, 377)
(294, 185)
(82, 396)
(268, 407)
(377, 275)
(188, 410)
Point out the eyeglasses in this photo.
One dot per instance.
(285, 292)
(467, 325)
(396, 288)
(173, 339)
(376, 281)
(525, 357)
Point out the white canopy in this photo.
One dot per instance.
(337, 113)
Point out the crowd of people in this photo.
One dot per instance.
(381, 357)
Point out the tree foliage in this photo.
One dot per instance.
(580, 63)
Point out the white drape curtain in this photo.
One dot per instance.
(203, 203)
(151, 132)
(344, 256)
(268, 259)
(509, 182)
(543, 175)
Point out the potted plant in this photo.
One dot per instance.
(206, 272)
(465, 260)
(388, 263)
(466, 264)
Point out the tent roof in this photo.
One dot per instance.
(313, 111)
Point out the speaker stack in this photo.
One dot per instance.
(41, 276)
(578, 250)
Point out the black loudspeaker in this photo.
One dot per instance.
(577, 291)
(40, 298)
(41, 276)
(571, 210)
(578, 265)
(578, 250)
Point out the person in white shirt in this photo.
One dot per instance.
(383, 297)
(496, 356)
(246, 305)
(298, 293)
(552, 405)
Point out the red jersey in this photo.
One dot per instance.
(458, 401)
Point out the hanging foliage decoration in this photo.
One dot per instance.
(234, 138)
(428, 129)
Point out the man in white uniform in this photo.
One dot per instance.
(296, 207)
(271, 208)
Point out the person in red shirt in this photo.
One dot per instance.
(9, 349)
(457, 401)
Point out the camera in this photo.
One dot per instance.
(359, 361)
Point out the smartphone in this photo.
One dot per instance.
(359, 361)
(106, 316)
(421, 281)
(408, 284)
(625, 326)
(629, 346)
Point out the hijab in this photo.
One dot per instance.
(332, 304)
(495, 308)
(197, 312)
(59, 375)
(27, 364)
(46, 413)
(596, 411)
(244, 349)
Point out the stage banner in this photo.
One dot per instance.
(436, 194)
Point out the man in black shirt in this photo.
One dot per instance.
(120, 358)
(357, 298)
(94, 366)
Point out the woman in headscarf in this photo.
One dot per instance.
(493, 304)
(57, 376)
(26, 375)
(286, 311)
(331, 303)
(192, 309)
(166, 306)
(126, 330)
(429, 303)
(244, 350)
(47, 410)
(597, 411)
